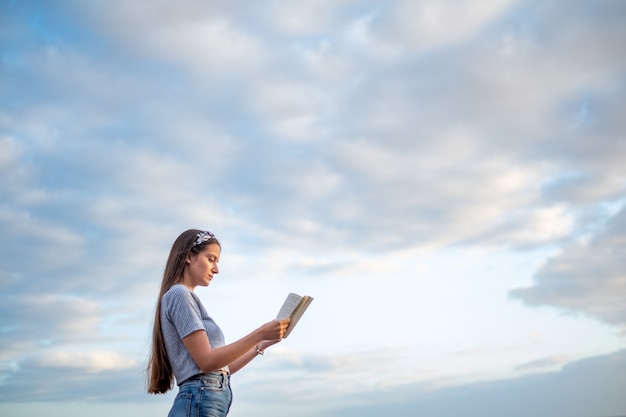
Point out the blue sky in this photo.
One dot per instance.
(446, 178)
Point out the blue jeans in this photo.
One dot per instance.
(205, 395)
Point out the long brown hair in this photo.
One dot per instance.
(159, 372)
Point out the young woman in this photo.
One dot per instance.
(187, 344)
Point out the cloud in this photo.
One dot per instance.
(391, 138)
(34, 323)
(312, 137)
(586, 277)
(201, 37)
(305, 18)
(543, 363)
(93, 362)
(56, 384)
(9, 154)
(434, 24)
(79, 314)
(591, 387)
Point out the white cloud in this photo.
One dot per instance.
(329, 144)
(428, 24)
(199, 36)
(303, 18)
(94, 361)
(9, 151)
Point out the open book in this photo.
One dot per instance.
(293, 308)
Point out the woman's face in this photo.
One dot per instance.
(202, 267)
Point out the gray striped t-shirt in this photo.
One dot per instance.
(182, 313)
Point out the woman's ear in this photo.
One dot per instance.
(190, 257)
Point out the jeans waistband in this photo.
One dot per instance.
(222, 374)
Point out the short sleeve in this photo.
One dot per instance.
(182, 311)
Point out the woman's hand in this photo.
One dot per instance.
(275, 330)
(267, 343)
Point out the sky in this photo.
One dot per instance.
(446, 179)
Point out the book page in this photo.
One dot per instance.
(293, 308)
(298, 312)
(289, 306)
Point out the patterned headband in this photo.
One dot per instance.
(203, 237)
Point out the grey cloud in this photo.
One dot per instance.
(48, 384)
(589, 387)
(543, 363)
(586, 277)
(34, 323)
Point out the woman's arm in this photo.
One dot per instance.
(208, 360)
(242, 361)
(251, 354)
